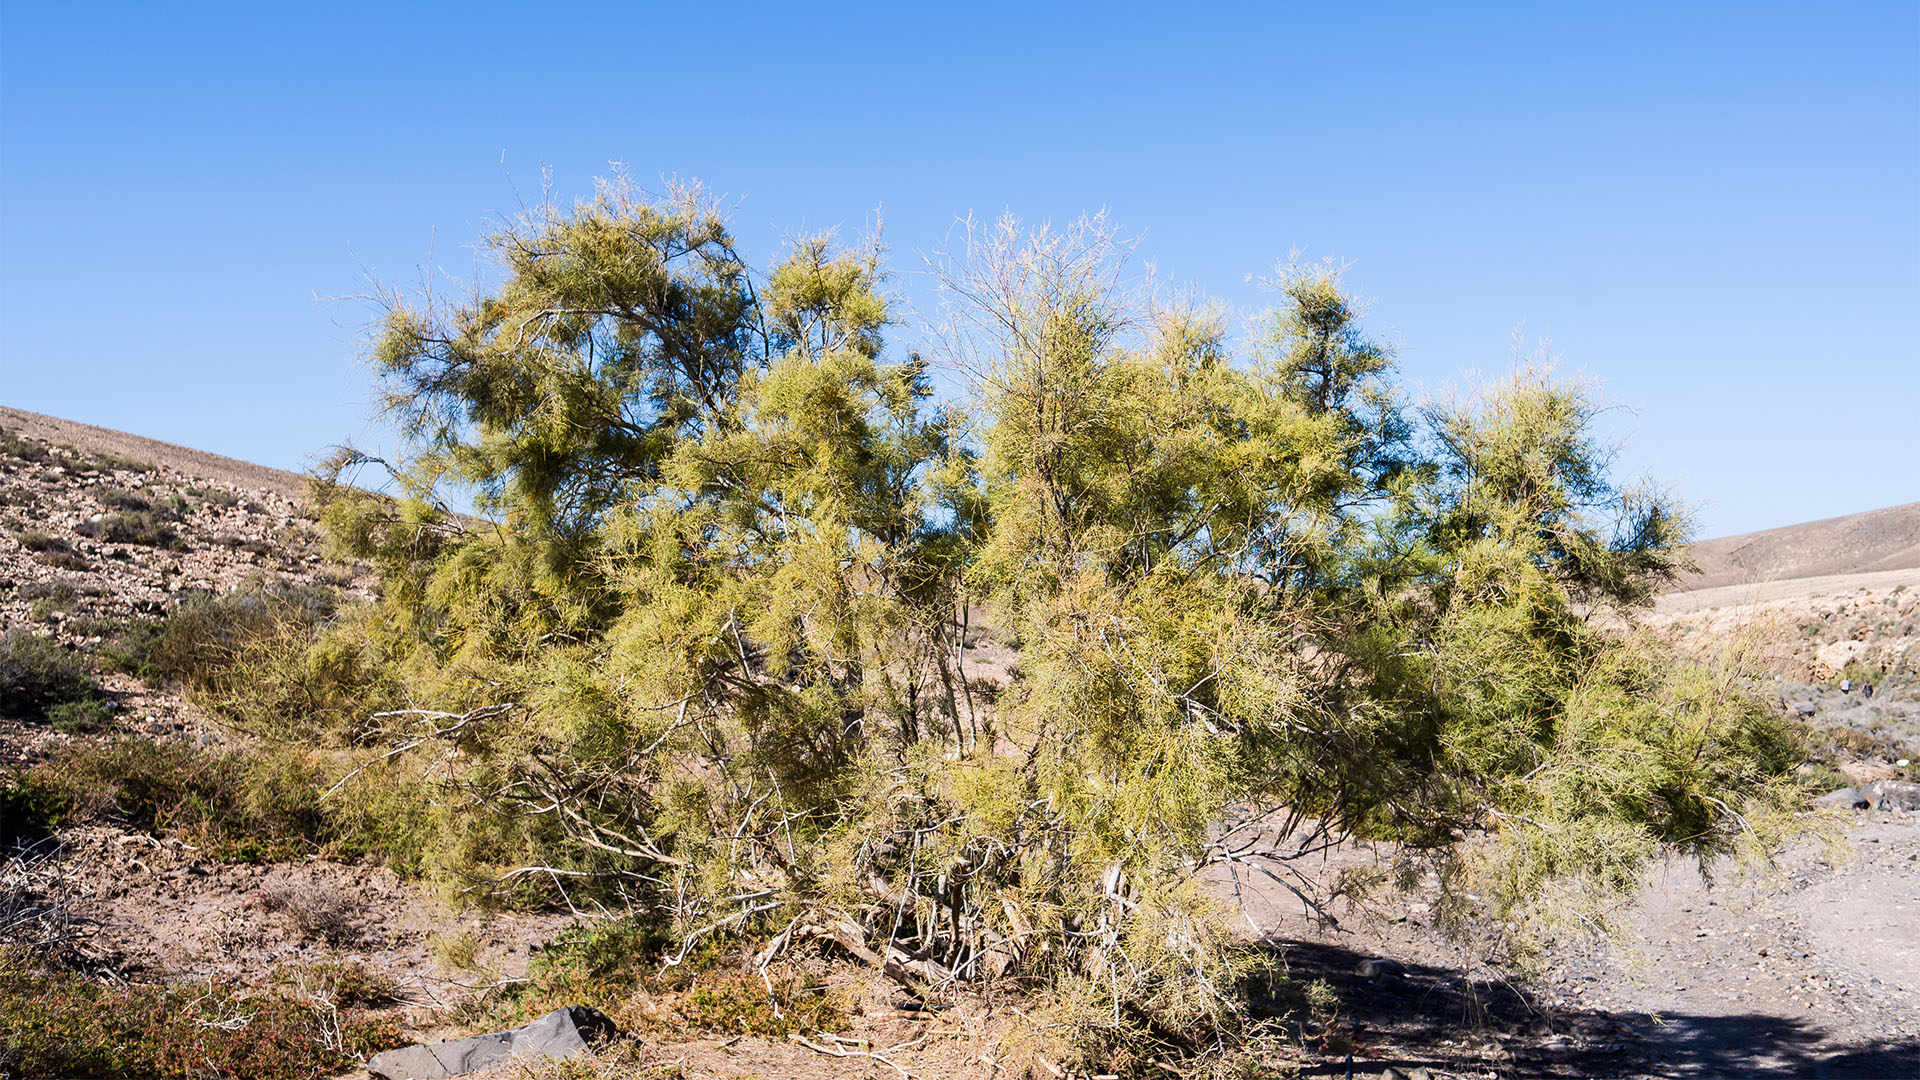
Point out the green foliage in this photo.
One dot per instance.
(622, 968)
(1859, 673)
(143, 527)
(235, 805)
(344, 983)
(704, 652)
(218, 497)
(265, 658)
(29, 805)
(35, 540)
(105, 462)
(86, 716)
(52, 550)
(39, 679)
(59, 1023)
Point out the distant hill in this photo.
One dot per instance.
(1870, 542)
(99, 440)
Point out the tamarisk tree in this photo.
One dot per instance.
(705, 646)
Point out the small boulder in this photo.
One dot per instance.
(1377, 966)
(1895, 794)
(1846, 798)
(560, 1033)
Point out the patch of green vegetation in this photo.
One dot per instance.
(145, 528)
(35, 540)
(86, 717)
(1859, 674)
(346, 983)
(29, 805)
(49, 599)
(265, 658)
(250, 805)
(248, 544)
(220, 498)
(1822, 778)
(106, 462)
(620, 967)
(62, 1023)
(192, 644)
(114, 498)
(20, 449)
(41, 680)
(50, 550)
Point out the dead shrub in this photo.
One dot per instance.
(314, 911)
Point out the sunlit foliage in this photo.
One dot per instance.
(705, 646)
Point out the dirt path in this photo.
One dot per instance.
(1812, 971)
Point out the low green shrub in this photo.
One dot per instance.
(35, 540)
(1860, 674)
(216, 497)
(231, 805)
(59, 1023)
(29, 806)
(85, 717)
(121, 499)
(192, 644)
(245, 805)
(145, 528)
(268, 660)
(15, 447)
(343, 982)
(37, 676)
(115, 463)
(50, 550)
(619, 967)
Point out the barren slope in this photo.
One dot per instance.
(195, 463)
(1870, 542)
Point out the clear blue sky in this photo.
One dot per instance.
(1715, 209)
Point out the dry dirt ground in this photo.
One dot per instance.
(1812, 969)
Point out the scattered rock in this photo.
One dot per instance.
(1846, 798)
(560, 1033)
(1375, 967)
(1895, 794)
(1836, 655)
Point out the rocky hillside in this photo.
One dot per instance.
(99, 530)
(1870, 542)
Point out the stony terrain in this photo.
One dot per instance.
(93, 538)
(1811, 968)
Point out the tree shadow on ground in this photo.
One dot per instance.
(1409, 1016)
